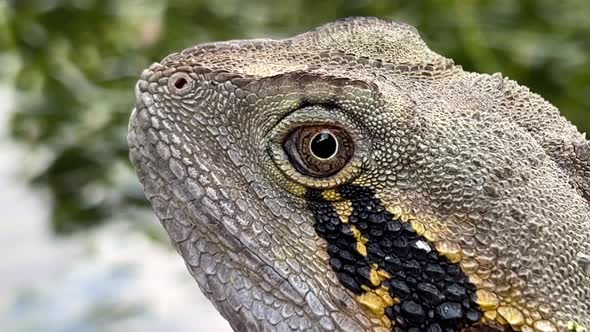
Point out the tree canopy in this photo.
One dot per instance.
(74, 64)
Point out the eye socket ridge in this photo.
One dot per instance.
(319, 150)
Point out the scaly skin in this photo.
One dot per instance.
(463, 206)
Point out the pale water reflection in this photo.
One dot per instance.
(115, 278)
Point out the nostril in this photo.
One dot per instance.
(180, 82)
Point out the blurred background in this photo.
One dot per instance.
(79, 251)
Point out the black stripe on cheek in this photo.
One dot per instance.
(345, 260)
(433, 293)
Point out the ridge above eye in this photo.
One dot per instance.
(318, 150)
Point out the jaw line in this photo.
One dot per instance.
(238, 244)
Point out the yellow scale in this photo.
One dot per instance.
(374, 300)
(494, 311)
(377, 300)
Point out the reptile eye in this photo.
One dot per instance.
(318, 147)
(318, 151)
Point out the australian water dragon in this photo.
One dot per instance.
(349, 178)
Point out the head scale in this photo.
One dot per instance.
(451, 200)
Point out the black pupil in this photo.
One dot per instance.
(324, 145)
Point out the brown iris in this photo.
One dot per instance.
(319, 151)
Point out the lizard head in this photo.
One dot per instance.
(349, 178)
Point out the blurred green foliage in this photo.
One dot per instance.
(74, 64)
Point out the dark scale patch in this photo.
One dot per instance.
(434, 294)
(351, 267)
